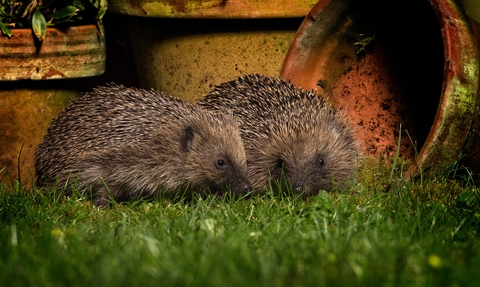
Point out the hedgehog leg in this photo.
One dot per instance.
(102, 197)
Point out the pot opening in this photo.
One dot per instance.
(382, 62)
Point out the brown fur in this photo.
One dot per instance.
(288, 132)
(129, 143)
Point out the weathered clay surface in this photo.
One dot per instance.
(71, 53)
(25, 115)
(188, 57)
(413, 65)
(215, 8)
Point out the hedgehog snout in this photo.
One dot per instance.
(298, 187)
(246, 189)
(241, 188)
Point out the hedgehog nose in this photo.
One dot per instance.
(298, 187)
(246, 189)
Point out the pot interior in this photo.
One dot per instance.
(381, 62)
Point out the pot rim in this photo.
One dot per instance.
(73, 52)
(451, 126)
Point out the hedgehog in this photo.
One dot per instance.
(128, 143)
(294, 140)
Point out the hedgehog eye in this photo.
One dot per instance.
(321, 162)
(220, 164)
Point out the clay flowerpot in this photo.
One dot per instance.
(186, 47)
(413, 64)
(74, 52)
(211, 9)
(37, 80)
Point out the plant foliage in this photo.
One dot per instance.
(40, 14)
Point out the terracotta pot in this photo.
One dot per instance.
(58, 67)
(413, 64)
(211, 9)
(219, 41)
(71, 53)
(187, 57)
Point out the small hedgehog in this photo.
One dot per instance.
(129, 143)
(288, 133)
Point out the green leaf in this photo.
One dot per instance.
(60, 22)
(102, 6)
(5, 30)
(79, 3)
(39, 25)
(66, 12)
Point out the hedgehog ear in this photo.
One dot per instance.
(187, 138)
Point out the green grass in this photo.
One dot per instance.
(424, 233)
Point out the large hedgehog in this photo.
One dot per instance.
(130, 143)
(288, 133)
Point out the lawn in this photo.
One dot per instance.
(380, 231)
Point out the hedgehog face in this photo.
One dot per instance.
(220, 152)
(303, 162)
(299, 170)
(229, 176)
(308, 173)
